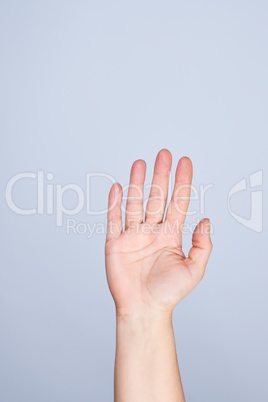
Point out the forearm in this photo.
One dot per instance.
(148, 274)
(146, 367)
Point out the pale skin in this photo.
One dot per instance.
(148, 275)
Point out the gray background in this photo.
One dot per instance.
(90, 86)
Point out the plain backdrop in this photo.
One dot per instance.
(88, 87)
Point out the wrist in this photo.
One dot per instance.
(143, 320)
(143, 333)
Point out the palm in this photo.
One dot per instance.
(145, 264)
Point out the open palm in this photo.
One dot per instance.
(145, 264)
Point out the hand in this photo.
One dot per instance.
(146, 267)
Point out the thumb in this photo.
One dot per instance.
(202, 247)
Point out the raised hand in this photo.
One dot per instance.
(146, 267)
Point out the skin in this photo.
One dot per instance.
(148, 275)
